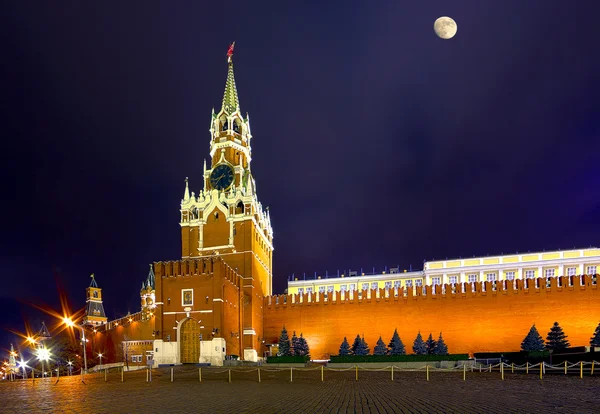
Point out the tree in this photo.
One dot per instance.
(380, 348)
(355, 345)
(362, 348)
(345, 348)
(556, 339)
(284, 343)
(440, 348)
(396, 346)
(595, 339)
(294, 344)
(419, 347)
(301, 347)
(430, 345)
(533, 341)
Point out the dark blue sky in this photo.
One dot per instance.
(375, 142)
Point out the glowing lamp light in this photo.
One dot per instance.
(68, 322)
(44, 354)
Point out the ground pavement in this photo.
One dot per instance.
(374, 392)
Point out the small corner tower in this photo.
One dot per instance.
(94, 310)
(147, 295)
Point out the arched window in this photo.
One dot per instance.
(237, 126)
(224, 126)
(239, 208)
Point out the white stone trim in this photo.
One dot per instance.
(249, 332)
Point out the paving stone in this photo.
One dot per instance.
(374, 392)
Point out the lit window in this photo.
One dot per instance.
(571, 271)
(591, 270)
(510, 275)
(300, 291)
(419, 282)
(352, 287)
(453, 279)
(365, 286)
(436, 281)
(550, 272)
(388, 285)
(321, 289)
(490, 277)
(409, 283)
(472, 278)
(309, 290)
(343, 288)
(529, 274)
(330, 289)
(397, 284)
(374, 285)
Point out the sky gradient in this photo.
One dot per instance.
(375, 142)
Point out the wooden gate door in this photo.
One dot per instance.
(190, 342)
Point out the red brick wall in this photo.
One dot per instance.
(470, 322)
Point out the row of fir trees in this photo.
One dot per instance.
(296, 347)
(556, 340)
(395, 346)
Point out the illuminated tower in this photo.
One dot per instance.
(147, 295)
(226, 219)
(94, 310)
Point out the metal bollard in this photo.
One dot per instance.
(392, 372)
(122, 369)
(200, 374)
(580, 369)
(427, 369)
(565, 367)
(105, 374)
(502, 370)
(171, 374)
(322, 379)
(291, 378)
(592, 373)
(259, 374)
(541, 369)
(527, 367)
(356, 372)
(464, 372)
(229, 375)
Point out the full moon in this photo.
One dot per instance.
(445, 27)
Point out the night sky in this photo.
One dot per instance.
(376, 143)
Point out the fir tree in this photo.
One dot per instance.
(302, 347)
(294, 344)
(284, 343)
(355, 345)
(396, 346)
(533, 341)
(419, 347)
(430, 345)
(440, 346)
(345, 348)
(595, 339)
(380, 348)
(362, 348)
(556, 339)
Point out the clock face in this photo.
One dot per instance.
(221, 177)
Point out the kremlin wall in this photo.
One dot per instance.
(217, 300)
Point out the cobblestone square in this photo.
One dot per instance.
(374, 392)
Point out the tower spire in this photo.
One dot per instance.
(230, 98)
(186, 192)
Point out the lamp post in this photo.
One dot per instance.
(70, 364)
(100, 355)
(69, 322)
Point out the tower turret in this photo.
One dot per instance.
(94, 310)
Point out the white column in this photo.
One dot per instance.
(463, 277)
(540, 272)
(519, 274)
(444, 278)
(200, 235)
(561, 270)
(580, 269)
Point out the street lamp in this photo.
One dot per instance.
(100, 355)
(43, 355)
(70, 368)
(69, 322)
